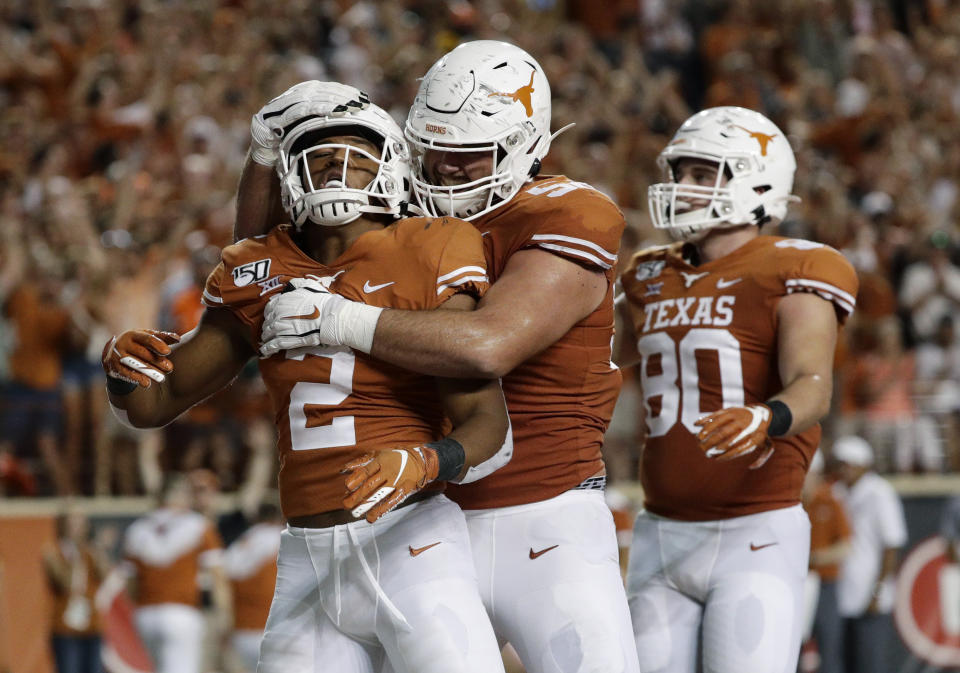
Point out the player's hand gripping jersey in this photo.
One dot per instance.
(707, 336)
(560, 400)
(333, 405)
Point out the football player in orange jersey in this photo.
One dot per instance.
(164, 552)
(375, 564)
(734, 334)
(543, 537)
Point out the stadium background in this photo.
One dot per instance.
(123, 126)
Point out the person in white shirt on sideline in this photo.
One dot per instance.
(865, 589)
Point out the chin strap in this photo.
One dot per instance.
(361, 210)
(381, 210)
(408, 209)
(535, 167)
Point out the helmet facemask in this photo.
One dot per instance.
(336, 202)
(468, 199)
(686, 209)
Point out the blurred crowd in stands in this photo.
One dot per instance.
(124, 124)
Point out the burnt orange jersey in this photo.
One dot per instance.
(251, 565)
(708, 340)
(332, 404)
(828, 526)
(560, 400)
(168, 548)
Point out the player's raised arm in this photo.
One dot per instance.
(153, 377)
(258, 200)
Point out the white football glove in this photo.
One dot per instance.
(308, 315)
(299, 101)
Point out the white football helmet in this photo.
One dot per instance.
(337, 109)
(749, 150)
(482, 96)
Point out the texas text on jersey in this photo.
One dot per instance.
(707, 335)
(333, 399)
(560, 400)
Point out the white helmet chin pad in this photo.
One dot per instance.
(345, 111)
(332, 205)
(755, 167)
(484, 96)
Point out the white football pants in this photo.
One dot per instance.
(246, 647)
(173, 635)
(550, 579)
(740, 580)
(403, 588)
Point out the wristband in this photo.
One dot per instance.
(450, 457)
(120, 387)
(355, 324)
(781, 418)
(263, 156)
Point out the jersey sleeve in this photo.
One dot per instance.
(233, 285)
(574, 221)
(458, 260)
(823, 271)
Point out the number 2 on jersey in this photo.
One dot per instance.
(341, 431)
(678, 365)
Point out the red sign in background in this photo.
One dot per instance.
(927, 610)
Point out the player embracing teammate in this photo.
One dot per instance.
(543, 539)
(734, 334)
